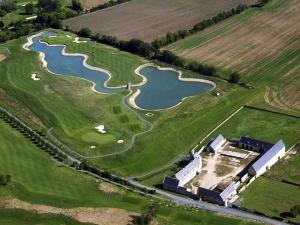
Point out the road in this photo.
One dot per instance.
(211, 207)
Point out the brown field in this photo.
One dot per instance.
(263, 45)
(149, 19)
(98, 216)
(92, 3)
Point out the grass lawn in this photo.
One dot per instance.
(261, 125)
(287, 169)
(271, 197)
(38, 179)
(66, 104)
(17, 217)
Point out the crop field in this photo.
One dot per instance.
(92, 3)
(150, 19)
(36, 179)
(265, 50)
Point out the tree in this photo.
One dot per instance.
(29, 9)
(8, 5)
(1, 24)
(49, 5)
(77, 6)
(295, 211)
(85, 32)
(234, 78)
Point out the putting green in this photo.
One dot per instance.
(98, 138)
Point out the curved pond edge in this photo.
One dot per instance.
(84, 63)
(131, 99)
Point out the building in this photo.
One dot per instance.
(217, 197)
(189, 172)
(268, 159)
(254, 145)
(216, 145)
(176, 183)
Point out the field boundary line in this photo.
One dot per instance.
(223, 122)
(270, 111)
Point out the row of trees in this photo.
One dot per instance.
(108, 4)
(181, 34)
(146, 50)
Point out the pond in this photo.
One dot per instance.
(163, 89)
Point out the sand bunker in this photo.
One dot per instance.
(101, 129)
(31, 18)
(120, 141)
(76, 40)
(99, 216)
(108, 188)
(35, 77)
(68, 36)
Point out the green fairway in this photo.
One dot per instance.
(261, 125)
(271, 197)
(36, 178)
(18, 217)
(68, 105)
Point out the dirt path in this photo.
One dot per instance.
(99, 216)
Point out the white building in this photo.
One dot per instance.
(229, 192)
(268, 159)
(189, 172)
(217, 144)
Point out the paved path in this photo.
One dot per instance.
(210, 207)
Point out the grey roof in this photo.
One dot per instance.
(170, 182)
(228, 191)
(265, 158)
(188, 169)
(257, 143)
(217, 141)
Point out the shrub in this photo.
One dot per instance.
(234, 78)
(85, 32)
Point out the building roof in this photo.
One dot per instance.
(265, 158)
(253, 142)
(171, 181)
(217, 141)
(192, 166)
(228, 191)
